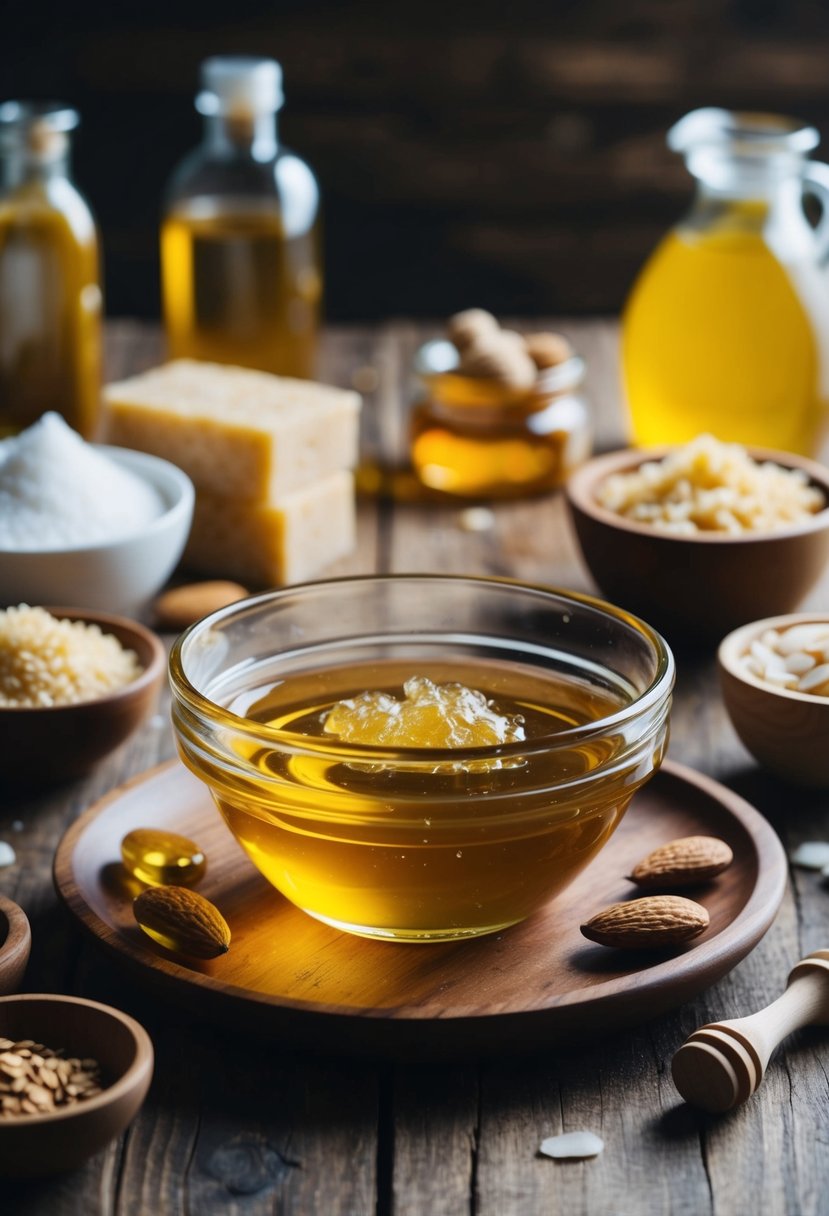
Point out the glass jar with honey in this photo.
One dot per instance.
(473, 436)
(727, 327)
(50, 298)
(240, 257)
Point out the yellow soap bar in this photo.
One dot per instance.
(235, 432)
(287, 542)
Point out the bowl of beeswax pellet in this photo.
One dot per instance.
(774, 675)
(74, 685)
(73, 1074)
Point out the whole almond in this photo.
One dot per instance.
(500, 358)
(182, 606)
(548, 349)
(683, 863)
(471, 325)
(650, 923)
(183, 921)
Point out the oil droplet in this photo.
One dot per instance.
(159, 858)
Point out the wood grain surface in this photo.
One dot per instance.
(238, 1125)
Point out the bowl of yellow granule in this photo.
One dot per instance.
(74, 685)
(702, 538)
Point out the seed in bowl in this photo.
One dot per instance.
(709, 486)
(37, 1080)
(796, 658)
(45, 661)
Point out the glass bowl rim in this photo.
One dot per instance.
(657, 691)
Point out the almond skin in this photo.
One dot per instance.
(683, 863)
(650, 923)
(548, 350)
(183, 921)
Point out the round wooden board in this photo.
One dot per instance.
(538, 983)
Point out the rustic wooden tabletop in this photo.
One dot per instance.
(239, 1125)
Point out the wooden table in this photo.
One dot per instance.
(235, 1125)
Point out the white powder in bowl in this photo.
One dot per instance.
(57, 491)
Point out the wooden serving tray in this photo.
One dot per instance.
(538, 983)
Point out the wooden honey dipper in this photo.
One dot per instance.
(722, 1064)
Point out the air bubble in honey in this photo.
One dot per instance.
(160, 858)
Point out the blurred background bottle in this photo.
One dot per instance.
(727, 327)
(50, 298)
(240, 250)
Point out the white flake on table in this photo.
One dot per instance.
(811, 855)
(572, 1145)
(477, 519)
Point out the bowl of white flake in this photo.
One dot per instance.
(85, 524)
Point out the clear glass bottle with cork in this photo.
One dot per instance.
(50, 297)
(240, 256)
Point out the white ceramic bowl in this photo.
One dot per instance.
(112, 576)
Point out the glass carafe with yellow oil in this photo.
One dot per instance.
(50, 298)
(240, 256)
(727, 327)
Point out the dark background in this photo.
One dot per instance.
(508, 154)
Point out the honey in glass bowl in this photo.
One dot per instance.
(421, 843)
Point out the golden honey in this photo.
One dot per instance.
(471, 437)
(237, 289)
(421, 847)
(160, 858)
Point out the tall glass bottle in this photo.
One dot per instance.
(50, 298)
(727, 327)
(240, 259)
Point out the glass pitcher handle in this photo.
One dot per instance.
(816, 183)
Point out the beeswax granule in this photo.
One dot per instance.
(45, 661)
(708, 486)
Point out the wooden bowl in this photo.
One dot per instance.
(696, 588)
(45, 1144)
(15, 944)
(785, 731)
(42, 746)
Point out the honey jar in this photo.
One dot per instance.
(472, 436)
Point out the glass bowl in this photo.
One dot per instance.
(412, 843)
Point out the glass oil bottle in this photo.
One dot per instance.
(50, 298)
(727, 327)
(240, 257)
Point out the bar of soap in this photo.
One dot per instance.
(271, 545)
(235, 432)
